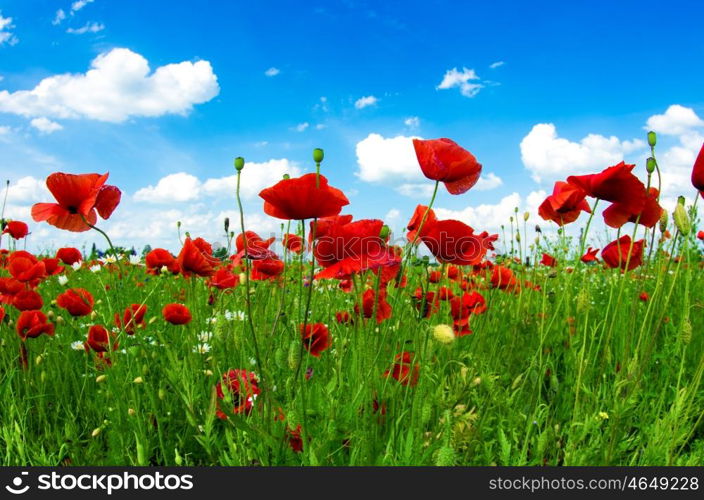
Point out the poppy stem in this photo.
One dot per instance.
(583, 243)
(425, 215)
(107, 238)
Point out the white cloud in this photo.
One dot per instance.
(28, 190)
(60, 16)
(181, 186)
(675, 121)
(365, 101)
(4, 129)
(118, 85)
(462, 79)
(549, 157)
(45, 125)
(412, 122)
(301, 127)
(86, 28)
(320, 126)
(272, 71)
(5, 35)
(416, 190)
(79, 4)
(488, 182)
(380, 159)
(496, 64)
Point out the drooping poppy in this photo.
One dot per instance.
(77, 301)
(618, 253)
(16, 229)
(565, 204)
(160, 258)
(78, 197)
(698, 172)
(69, 255)
(404, 370)
(32, 324)
(445, 161)
(176, 314)
(305, 197)
(316, 338)
(242, 387)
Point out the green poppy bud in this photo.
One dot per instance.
(318, 155)
(652, 139)
(286, 176)
(663, 221)
(526, 216)
(239, 163)
(682, 219)
(384, 233)
(650, 165)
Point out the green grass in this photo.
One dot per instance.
(579, 372)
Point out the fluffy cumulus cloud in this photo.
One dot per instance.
(366, 101)
(676, 120)
(466, 80)
(119, 85)
(6, 36)
(549, 157)
(183, 187)
(44, 125)
(393, 161)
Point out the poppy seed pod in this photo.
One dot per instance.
(239, 163)
(663, 221)
(650, 165)
(652, 139)
(318, 155)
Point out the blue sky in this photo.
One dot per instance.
(349, 77)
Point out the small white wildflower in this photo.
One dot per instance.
(62, 280)
(202, 348)
(135, 260)
(234, 315)
(76, 265)
(204, 336)
(77, 345)
(108, 259)
(95, 268)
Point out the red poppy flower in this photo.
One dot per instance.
(306, 197)
(295, 441)
(176, 314)
(343, 317)
(293, 243)
(192, 260)
(51, 266)
(26, 300)
(616, 253)
(369, 302)
(323, 226)
(698, 172)
(132, 318)
(616, 184)
(99, 339)
(434, 276)
(427, 304)
(316, 338)
(444, 160)
(564, 204)
(454, 242)
(2, 313)
(9, 287)
(78, 197)
(267, 269)
(357, 243)
(16, 229)
(548, 260)
(616, 215)
(445, 293)
(69, 255)
(224, 279)
(417, 218)
(25, 267)
(644, 296)
(404, 369)
(32, 324)
(700, 235)
(254, 242)
(503, 278)
(468, 303)
(77, 301)
(159, 258)
(590, 255)
(242, 387)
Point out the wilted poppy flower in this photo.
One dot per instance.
(69, 255)
(548, 260)
(698, 172)
(160, 258)
(617, 214)
(78, 197)
(590, 255)
(564, 204)
(176, 314)
(192, 260)
(242, 387)
(316, 338)
(293, 243)
(32, 324)
(99, 339)
(369, 303)
(132, 318)
(16, 229)
(404, 369)
(305, 197)
(77, 301)
(444, 160)
(616, 253)
(26, 300)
